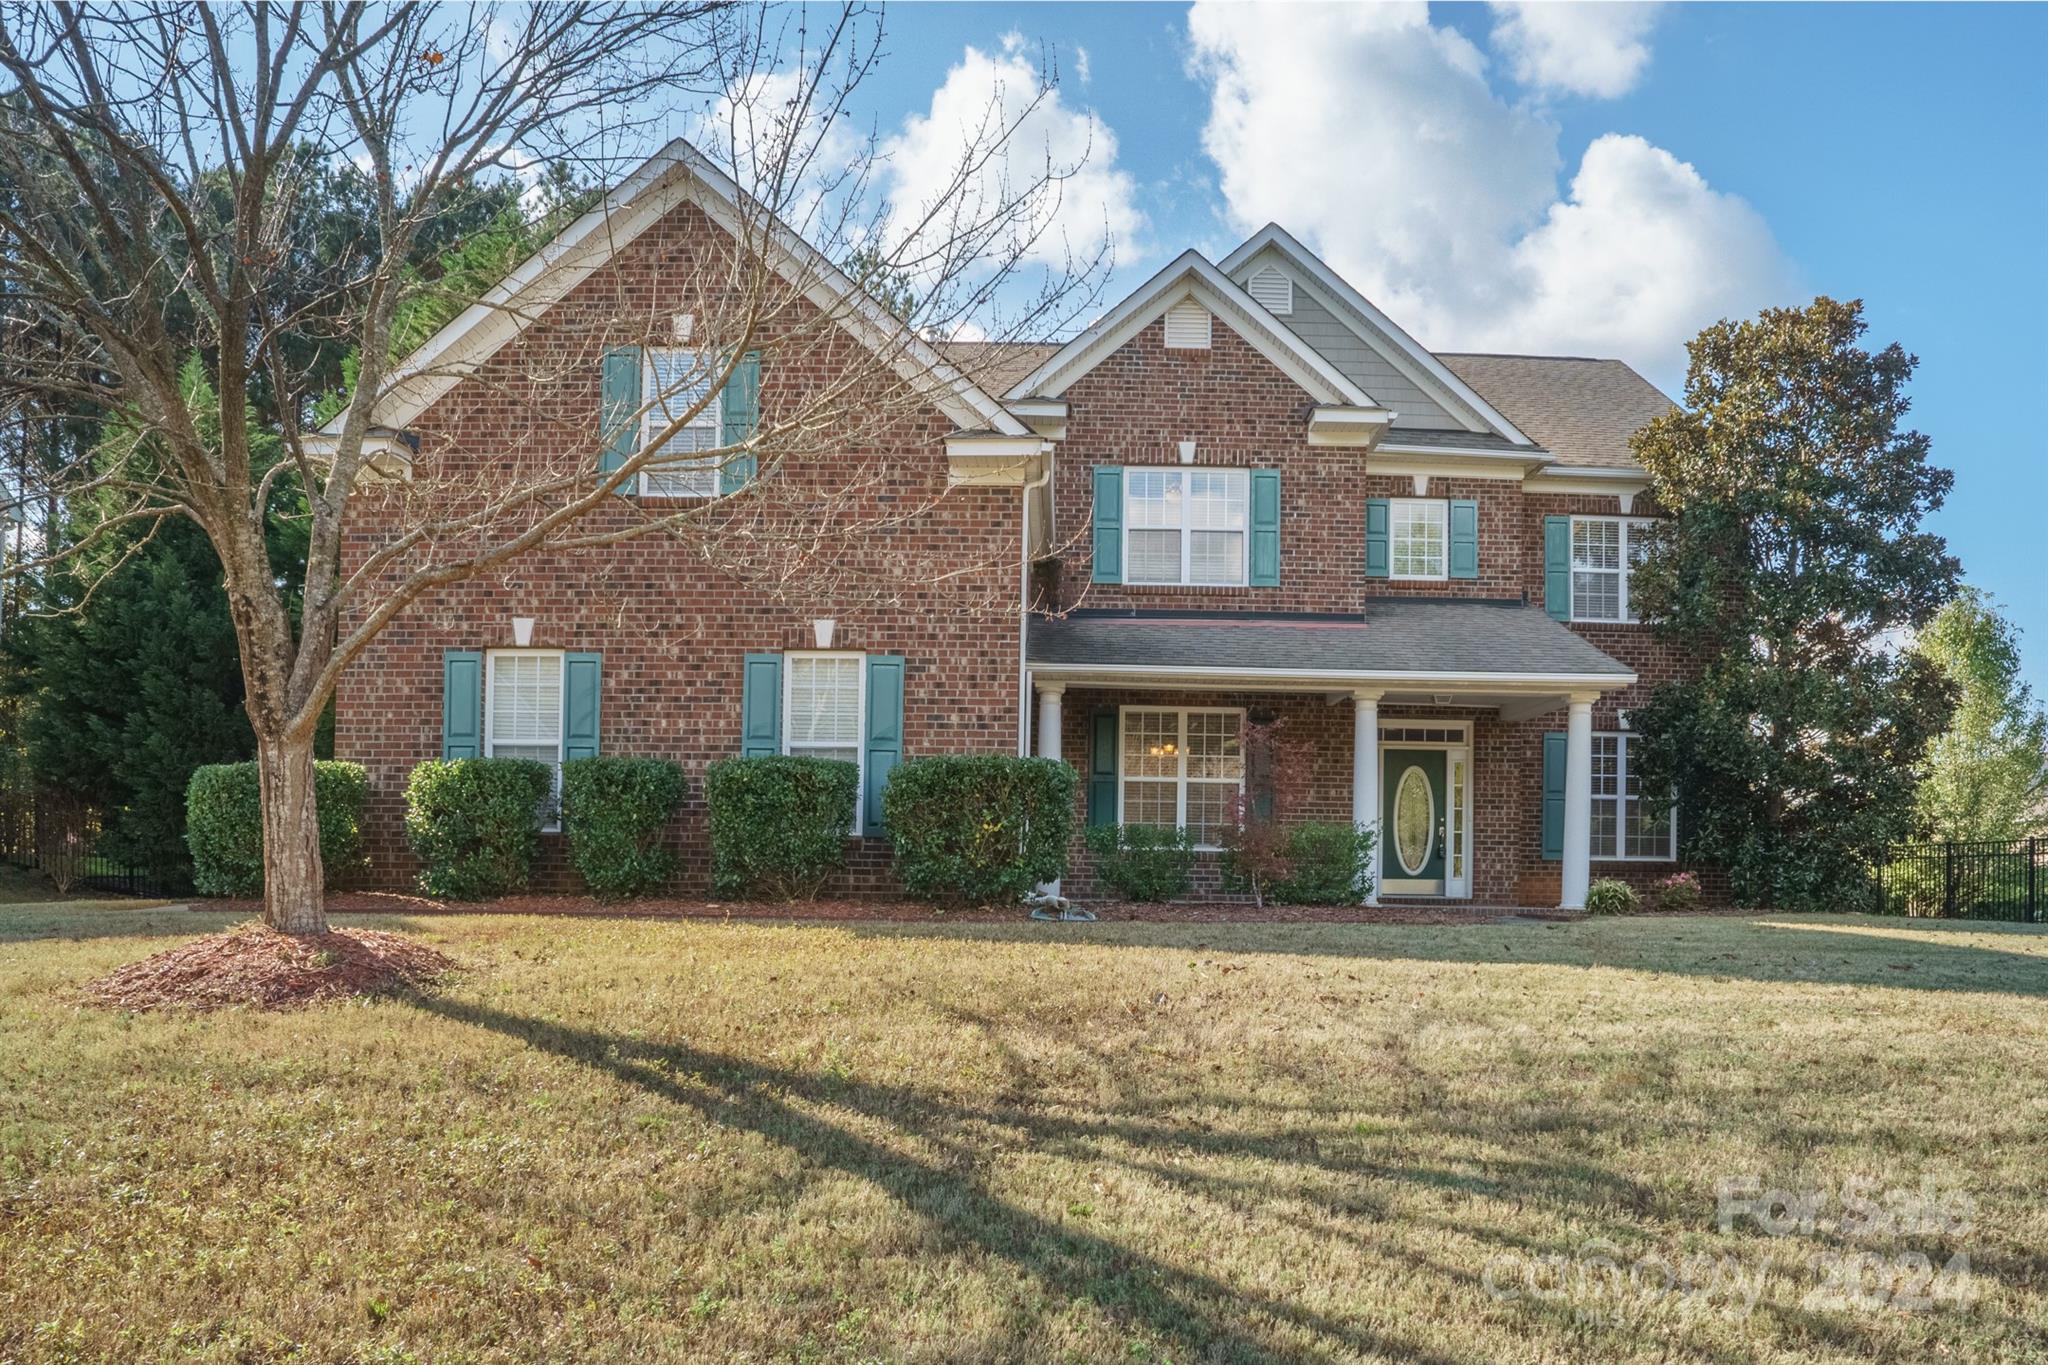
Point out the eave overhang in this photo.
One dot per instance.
(989, 459)
(1343, 424)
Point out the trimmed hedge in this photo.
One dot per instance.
(613, 810)
(979, 828)
(1612, 896)
(224, 824)
(1329, 863)
(779, 824)
(475, 823)
(1143, 862)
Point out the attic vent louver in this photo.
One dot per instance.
(1187, 326)
(1273, 289)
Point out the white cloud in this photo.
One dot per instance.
(1579, 49)
(993, 131)
(1377, 137)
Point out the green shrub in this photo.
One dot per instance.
(779, 824)
(475, 823)
(1143, 862)
(979, 827)
(1610, 897)
(614, 811)
(1329, 862)
(224, 824)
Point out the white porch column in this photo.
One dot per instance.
(1049, 743)
(1049, 719)
(1365, 774)
(1578, 803)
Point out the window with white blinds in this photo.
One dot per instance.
(1187, 326)
(821, 708)
(1625, 827)
(1186, 526)
(1605, 552)
(674, 382)
(523, 708)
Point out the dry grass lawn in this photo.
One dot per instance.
(630, 1140)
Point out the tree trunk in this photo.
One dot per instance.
(293, 880)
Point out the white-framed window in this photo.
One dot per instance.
(1419, 537)
(823, 703)
(1180, 768)
(1186, 526)
(1605, 552)
(672, 382)
(1625, 827)
(523, 711)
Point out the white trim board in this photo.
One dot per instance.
(1192, 275)
(1376, 329)
(676, 174)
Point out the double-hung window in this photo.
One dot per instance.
(1605, 551)
(1181, 769)
(523, 709)
(822, 704)
(1186, 526)
(1419, 536)
(673, 382)
(1625, 826)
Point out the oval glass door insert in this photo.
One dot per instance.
(1414, 821)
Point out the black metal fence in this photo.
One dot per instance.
(56, 835)
(1999, 879)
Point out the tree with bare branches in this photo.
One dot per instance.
(150, 158)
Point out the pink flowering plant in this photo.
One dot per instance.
(1678, 892)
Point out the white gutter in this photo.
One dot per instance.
(1478, 682)
(1024, 612)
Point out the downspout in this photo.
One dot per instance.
(1024, 612)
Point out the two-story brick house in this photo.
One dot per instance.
(1244, 490)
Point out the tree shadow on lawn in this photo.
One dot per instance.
(87, 921)
(1844, 950)
(1200, 1315)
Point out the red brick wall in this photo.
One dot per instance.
(673, 616)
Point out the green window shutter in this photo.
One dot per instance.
(1102, 770)
(1464, 538)
(761, 707)
(1109, 524)
(1265, 528)
(1379, 558)
(619, 405)
(1557, 567)
(581, 687)
(1553, 796)
(462, 703)
(884, 738)
(739, 413)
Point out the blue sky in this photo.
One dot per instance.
(1587, 180)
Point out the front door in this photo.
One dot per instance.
(1413, 808)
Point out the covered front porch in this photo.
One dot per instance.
(1462, 732)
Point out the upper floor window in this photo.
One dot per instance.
(1186, 526)
(673, 382)
(1419, 536)
(1605, 551)
(1625, 827)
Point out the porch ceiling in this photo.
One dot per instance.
(1465, 653)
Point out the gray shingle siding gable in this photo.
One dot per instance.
(1361, 364)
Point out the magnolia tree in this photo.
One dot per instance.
(155, 286)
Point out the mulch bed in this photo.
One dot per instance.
(897, 912)
(256, 966)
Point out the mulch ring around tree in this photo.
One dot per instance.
(256, 966)
(901, 912)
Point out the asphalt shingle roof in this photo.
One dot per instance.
(1394, 635)
(1582, 411)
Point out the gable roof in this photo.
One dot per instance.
(1378, 330)
(998, 365)
(1192, 275)
(676, 174)
(1582, 410)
